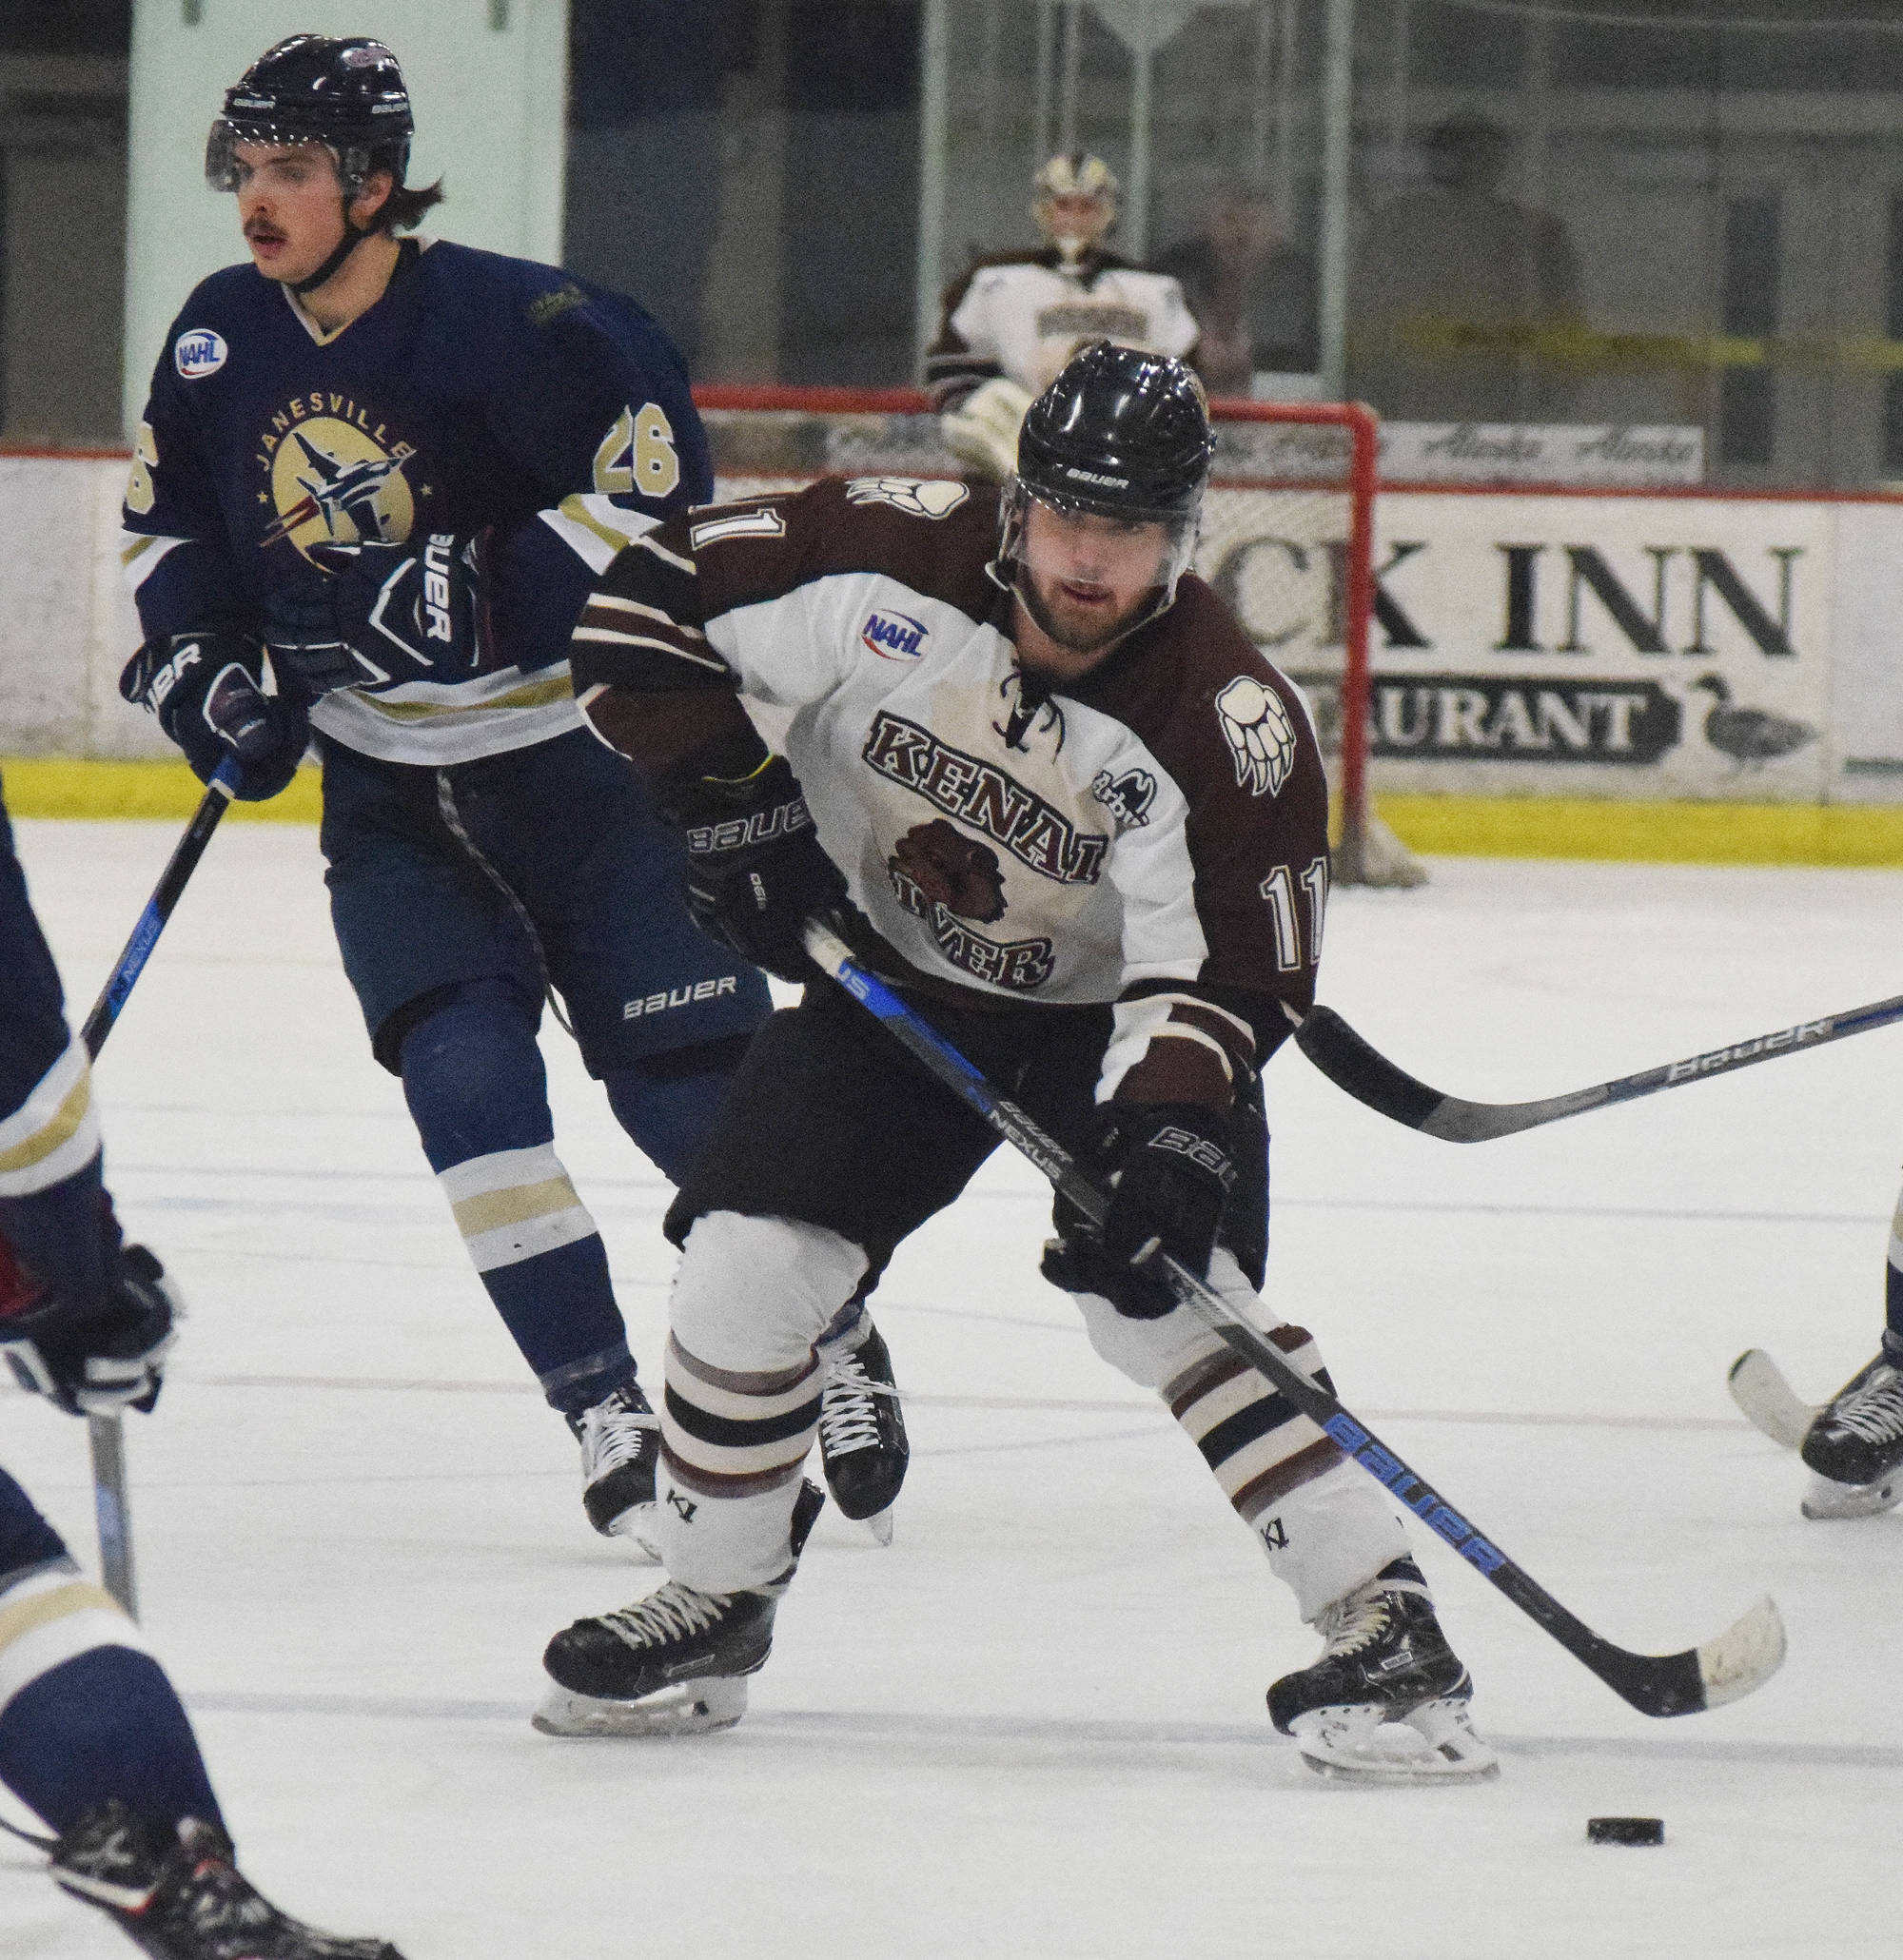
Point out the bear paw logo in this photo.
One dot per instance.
(1260, 734)
(952, 870)
(917, 496)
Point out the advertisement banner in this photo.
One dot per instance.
(1565, 646)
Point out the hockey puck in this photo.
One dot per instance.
(1625, 1830)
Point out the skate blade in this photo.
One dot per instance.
(1434, 1743)
(1824, 1498)
(694, 1708)
(635, 1528)
(881, 1525)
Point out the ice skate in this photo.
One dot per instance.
(675, 1663)
(1854, 1448)
(862, 1444)
(620, 1446)
(186, 1900)
(1388, 1700)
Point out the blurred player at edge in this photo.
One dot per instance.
(1015, 319)
(1854, 1447)
(91, 1736)
(1064, 801)
(396, 465)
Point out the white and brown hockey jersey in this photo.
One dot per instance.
(1153, 836)
(1022, 317)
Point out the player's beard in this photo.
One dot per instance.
(1078, 638)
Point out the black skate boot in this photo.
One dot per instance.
(620, 1446)
(186, 1900)
(611, 1675)
(1388, 1699)
(1854, 1447)
(862, 1444)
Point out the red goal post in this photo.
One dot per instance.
(1287, 534)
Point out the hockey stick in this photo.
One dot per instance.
(106, 1434)
(1767, 1402)
(1739, 1659)
(1367, 1075)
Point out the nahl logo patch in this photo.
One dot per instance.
(895, 635)
(198, 353)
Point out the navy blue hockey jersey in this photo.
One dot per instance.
(478, 391)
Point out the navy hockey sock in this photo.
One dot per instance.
(105, 1723)
(84, 1714)
(667, 1103)
(475, 1083)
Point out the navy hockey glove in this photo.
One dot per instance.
(1168, 1169)
(89, 1360)
(755, 865)
(375, 613)
(206, 689)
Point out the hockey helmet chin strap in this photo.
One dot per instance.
(353, 237)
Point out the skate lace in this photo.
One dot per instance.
(673, 1612)
(1875, 1411)
(849, 1417)
(1352, 1624)
(612, 1434)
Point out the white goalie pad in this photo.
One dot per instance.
(1434, 1743)
(982, 430)
(693, 1708)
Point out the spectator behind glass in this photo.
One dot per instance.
(1460, 296)
(1252, 293)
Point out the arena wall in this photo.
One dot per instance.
(1571, 648)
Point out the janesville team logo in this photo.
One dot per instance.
(199, 352)
(335, 476)
(916, 496)
(895, 635)
(1260, 734)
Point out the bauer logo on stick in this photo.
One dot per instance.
(199, 352)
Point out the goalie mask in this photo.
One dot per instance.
(1074, 202)
(1121, 433)
(349, 95)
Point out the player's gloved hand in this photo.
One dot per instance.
(208, 691)
(372, 612)
(755, 865)
(1166, 1167)
(91, 1360)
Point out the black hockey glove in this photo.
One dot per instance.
(755, 865)
(208, 691)
(373, 612)
(89, 1361)
(1167, 1168)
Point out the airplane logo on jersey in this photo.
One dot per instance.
(334, 476)
(895, 635)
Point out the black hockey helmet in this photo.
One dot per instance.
(348, 96)
(1120, 433)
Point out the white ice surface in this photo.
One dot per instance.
(1034, 1725)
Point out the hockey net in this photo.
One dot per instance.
(1287, 538)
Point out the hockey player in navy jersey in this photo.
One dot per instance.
(1039, 775)
(375, 477)
(92, 1738)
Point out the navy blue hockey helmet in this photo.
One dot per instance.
(348, 96)
(1121, 433)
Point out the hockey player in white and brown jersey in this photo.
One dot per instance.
(1045, 784)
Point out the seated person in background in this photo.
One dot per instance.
(1252, 293)
(1459, 294)
(1013, 321)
